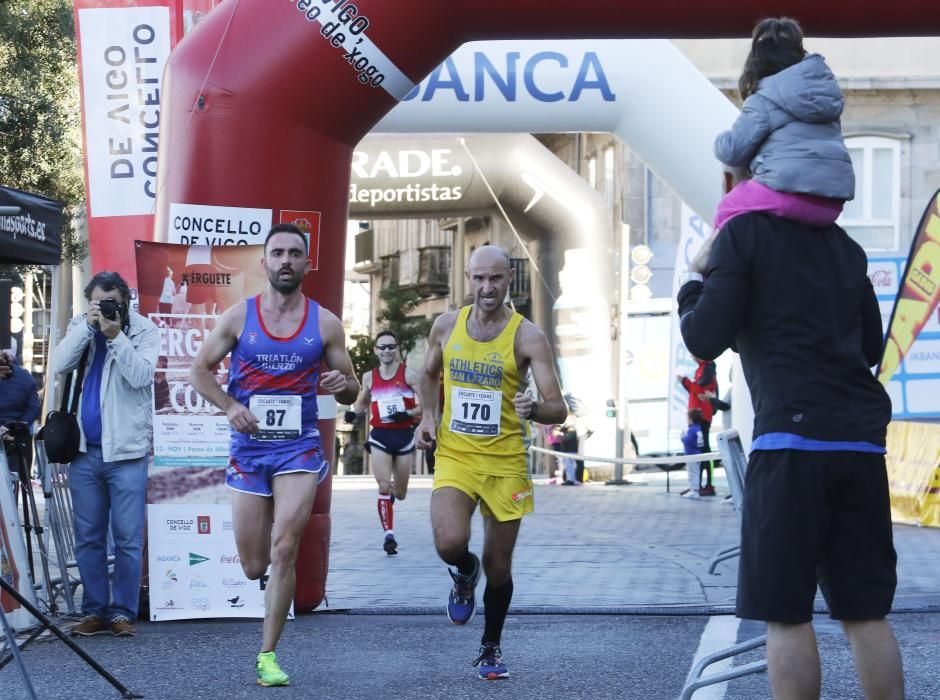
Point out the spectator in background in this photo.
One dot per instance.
(19, 403)
(552, 435)
(571, 444)
(702, 388)
(693, 443)
(108, 479)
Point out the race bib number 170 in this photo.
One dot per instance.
(475, 411)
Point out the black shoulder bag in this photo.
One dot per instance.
(60, 433)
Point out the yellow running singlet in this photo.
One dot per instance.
(479, 428)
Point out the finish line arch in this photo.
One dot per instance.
(265, 100)
(551, 207)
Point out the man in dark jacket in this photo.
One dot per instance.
(19, 403)
(797, 304)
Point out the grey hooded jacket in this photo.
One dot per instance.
(789, 135)
(126, 384)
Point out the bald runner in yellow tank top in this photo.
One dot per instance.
(481, 435)
(484, 353)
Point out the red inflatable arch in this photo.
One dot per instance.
(265, 100)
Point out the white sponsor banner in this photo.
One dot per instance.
(123, 51)
(203, 224)
(195, 571)
(922, 395)
(693, 232)
(884, 277)
(573, 84)
(923, 357)
(14, 560)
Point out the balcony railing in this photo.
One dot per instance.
(521, 283)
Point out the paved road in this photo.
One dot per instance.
(634, 557)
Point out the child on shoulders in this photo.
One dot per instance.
(788, 134)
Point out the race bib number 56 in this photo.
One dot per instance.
(278, 417)
(475, 411)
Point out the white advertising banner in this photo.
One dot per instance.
(203, 224)
(194, 567)
(693, 232)
(14, 560)
(123, 51)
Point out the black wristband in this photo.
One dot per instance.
(532, 411)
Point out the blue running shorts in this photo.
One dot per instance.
(254, 472)
(394, 441)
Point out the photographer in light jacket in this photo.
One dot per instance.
(108, 479)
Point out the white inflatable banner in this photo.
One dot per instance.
(643, 91)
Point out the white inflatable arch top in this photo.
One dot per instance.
(644, 91)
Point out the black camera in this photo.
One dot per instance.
(19, 429)
(110, 308)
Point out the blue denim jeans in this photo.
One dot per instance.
(104, 492)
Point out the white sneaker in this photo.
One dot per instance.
(691, 494)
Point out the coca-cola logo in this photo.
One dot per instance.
(882, 278)
(230, 559)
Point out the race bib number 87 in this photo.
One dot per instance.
(475, 411)
(278, 417)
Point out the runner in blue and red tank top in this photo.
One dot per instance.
(278, 341)
(389, 396)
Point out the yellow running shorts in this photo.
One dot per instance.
(502, 497)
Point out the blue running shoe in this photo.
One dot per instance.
(390, 545)
(489, 663)
(461, 603)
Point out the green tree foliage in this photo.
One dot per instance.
(40, 133)
(397, 304)
(362, 355)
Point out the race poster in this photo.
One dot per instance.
(183, 289)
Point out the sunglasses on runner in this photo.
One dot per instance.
(387, 346)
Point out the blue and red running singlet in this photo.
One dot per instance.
(277, 379)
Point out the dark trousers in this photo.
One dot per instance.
(706, 467)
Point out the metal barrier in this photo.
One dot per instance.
(621, 461)
(58, 518)
(735, 463)
(732, 455)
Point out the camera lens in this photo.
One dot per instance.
(109, 309)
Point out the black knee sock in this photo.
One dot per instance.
(466, 564)
(496, 601)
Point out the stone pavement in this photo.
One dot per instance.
(632, 550)
(590, 548)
